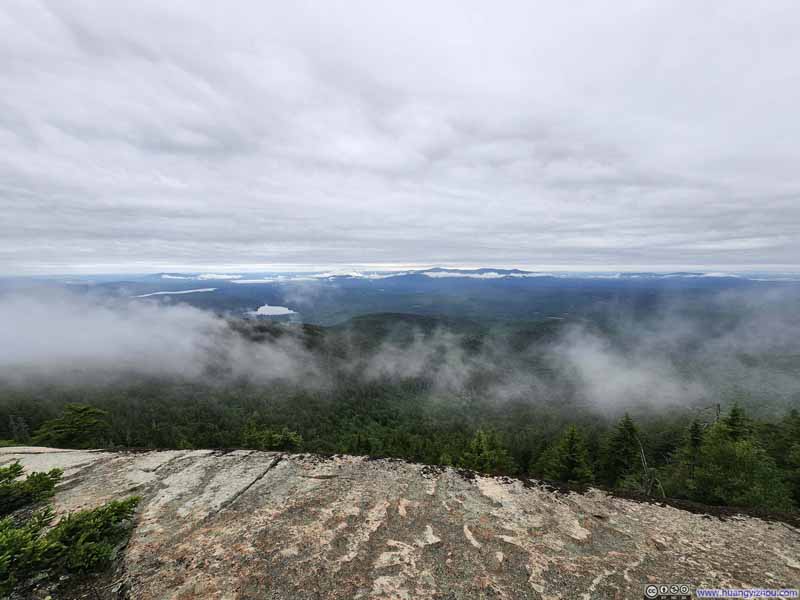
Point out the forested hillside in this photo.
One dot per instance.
(502, 400)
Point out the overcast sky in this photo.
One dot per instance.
(149, 135)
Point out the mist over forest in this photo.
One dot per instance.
(621, 394)
(742, 344)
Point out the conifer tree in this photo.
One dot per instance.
(80, 426)
(486, 453)
(567, 459)
(737, 423)
(793, 472)
(694, 445)
(622, 452)
(680, 474)
(19, 429)
(736, 470)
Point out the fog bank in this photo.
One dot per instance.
(737, 346)
(63, 336)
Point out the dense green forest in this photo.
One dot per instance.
(708, 453)
(733, 461)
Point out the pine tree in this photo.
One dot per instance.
(680, 474)
(567, 459)
(264, 438)
(19, 429)
(80, 426)
(694, 445)
(789, 456)
(792, 422)
(785, 436)
(485, 453)
(738, 472)
(737, 423)
(362, 445)
(793, 472)
(623, 452)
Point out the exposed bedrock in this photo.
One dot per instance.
(247, 525)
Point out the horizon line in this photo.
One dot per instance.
(229, 268)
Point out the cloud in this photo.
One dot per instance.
(217, 276)
(610, 379)
(589, 370)
(735, 345)
(740, 345)
(268, 310)
(66, 337)
(439, 356)
(139, 136)
(680, 354)
(202, 276)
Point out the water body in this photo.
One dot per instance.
(175, 293)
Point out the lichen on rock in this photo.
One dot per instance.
(249, 524)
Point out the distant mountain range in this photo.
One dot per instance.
(485, 294)
(482, 273)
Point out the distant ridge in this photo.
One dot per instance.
(482, 273)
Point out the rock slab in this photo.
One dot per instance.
(260, 525)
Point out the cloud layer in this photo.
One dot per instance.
(740, 345)
(142, 135)
(62, 337)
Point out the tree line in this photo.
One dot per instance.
(730, 459)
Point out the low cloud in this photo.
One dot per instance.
(736, 345)
(267, 310)
(66, 337)
(673, 357)
(609, 378)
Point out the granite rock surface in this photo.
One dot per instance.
(262, 525)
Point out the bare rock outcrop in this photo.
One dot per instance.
(247, 525)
